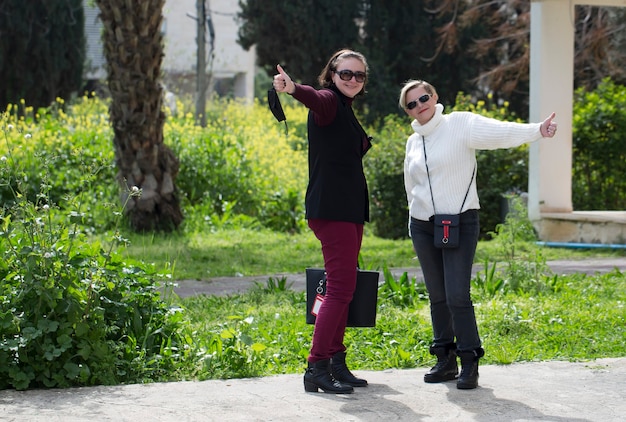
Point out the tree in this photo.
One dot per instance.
(600, 46)
(504, 47)
(299, 34)
(479, 47)
(133, 47)
(42, 50)
(599, 150)
(400, 39)
(391, 31)
(204, 22)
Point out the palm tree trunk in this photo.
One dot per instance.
(133, 47)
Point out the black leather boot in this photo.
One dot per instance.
(469, 369)
(341, 373)
(446, 368)
(318, 375)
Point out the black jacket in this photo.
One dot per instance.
(337, 187)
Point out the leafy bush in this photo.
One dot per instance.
(384, 166)
(599, 150)
(243, 158)
(242, 162)
(72, 312)
(62, 153)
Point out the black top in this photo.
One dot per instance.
(337, 187)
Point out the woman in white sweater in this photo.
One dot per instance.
(440, 178)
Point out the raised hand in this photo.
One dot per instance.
(282, 81)
(548, 127)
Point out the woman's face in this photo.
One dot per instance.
(420, 104)
(351, 68)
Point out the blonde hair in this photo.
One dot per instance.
(412, 84)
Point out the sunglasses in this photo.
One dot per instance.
(424, 98)
(346, 75)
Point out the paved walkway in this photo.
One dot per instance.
(541, 391)
(230, 285)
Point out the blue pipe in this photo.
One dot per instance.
(581, 245)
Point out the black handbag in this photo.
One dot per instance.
(362, 311)
(446, 233)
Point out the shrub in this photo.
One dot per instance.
(243, 158)
(66, 153)
(599, 150)
(242, 163)
(384, 166)
(72, 312)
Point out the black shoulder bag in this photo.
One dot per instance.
(446, 230)
(362, 309)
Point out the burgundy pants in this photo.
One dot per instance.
(341, 243)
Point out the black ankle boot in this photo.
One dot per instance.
(469, 369)
(318, 375)
(341, 373)
(446, 368)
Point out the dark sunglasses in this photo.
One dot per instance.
(424, 98)
(346, 75)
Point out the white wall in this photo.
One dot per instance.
(179, 27)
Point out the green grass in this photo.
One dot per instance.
(253, 252)
(524, 314)
(263, 332)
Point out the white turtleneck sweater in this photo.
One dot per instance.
(451, 143)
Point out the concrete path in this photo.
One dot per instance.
(221, 286)
(543, 391)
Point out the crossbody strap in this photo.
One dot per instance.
(432, 198)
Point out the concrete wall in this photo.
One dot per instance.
(230, 61)
(600, 227)
(233, 68)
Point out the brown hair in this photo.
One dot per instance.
(325, 78)
(411, 84)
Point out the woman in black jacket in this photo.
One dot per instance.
(337, 206)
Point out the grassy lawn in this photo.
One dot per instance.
(524, 313)
(249, 252)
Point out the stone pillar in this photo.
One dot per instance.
(551, 89)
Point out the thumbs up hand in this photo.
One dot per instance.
(548, 127)
(282, 81)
